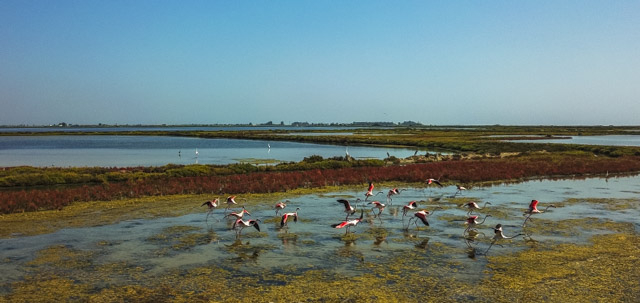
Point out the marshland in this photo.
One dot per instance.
(142, 233)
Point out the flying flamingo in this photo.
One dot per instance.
(211, 204)
(350, 210)
(286, 216)
(474, 206)
(412, 205)
(280, 206)
(422, 216)
(472, 222)
(238, 215)
(533, 209)
(239, 225)
(499, 236)
(379, 206)
(434, 181)
(392, 192)
(349, 223)
(369, 192)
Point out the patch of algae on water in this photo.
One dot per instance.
(605, 270)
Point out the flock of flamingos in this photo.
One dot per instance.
(471, 222)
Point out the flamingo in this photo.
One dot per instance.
(422, 216)
(472, 222)
(231, 200)
(392, 192)
(350, 210)
(240, 224)
(460, 189)
(498, 235)
(280, 206)
(286, 216)
(474, 206)
(434, 181)
(349, 223)
(239, 215)
(379, 206)
(412, 205)
(211, 204)
(369, 192)
(533, 209)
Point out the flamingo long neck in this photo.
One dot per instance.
(547, 208)
(485, 205)
(485, 218)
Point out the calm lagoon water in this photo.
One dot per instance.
(312, 243)
(123, 151)
(615, 140)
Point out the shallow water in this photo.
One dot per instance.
(614, 140)
(122, 151)
(165, 244)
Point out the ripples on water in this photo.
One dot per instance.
(163, 244)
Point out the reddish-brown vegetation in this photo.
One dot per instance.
(263, 182)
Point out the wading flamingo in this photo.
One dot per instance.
(286, 216)
(350, 210)
(472, 222)
(533, 209)
(474, 206)
(211, 204)
(349, 223)
(239, 225)
(498, 235)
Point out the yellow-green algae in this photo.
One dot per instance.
(604, 270)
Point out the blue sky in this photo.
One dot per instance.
(435, 62)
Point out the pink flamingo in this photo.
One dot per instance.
(460, 189)
(211, 204)
(533, 209)
(239, 225)
(379, 206)
(434, 181)
(238, 215)
(280, 206)
(472, 222)
(349, 223)
(350, 210)
(499, 235)
(474, 206)
(422, 216)
(286, 216)
(412, 205)
(369, 192)
(392, 192)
